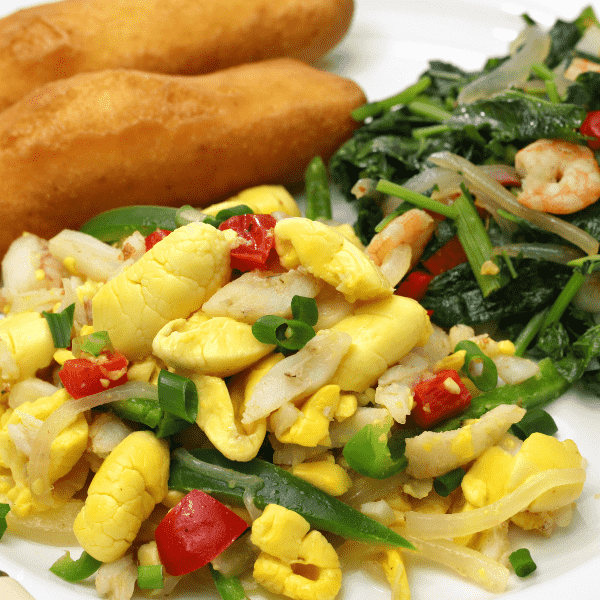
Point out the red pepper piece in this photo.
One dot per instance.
(195, 532)
(435, 401)
(450, 255)
(84, 377)
(414, 285)
(155, 237)
(257, 231)
(591, 127)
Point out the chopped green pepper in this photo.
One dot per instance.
(231, 481)
(75, 570)
(118, 223)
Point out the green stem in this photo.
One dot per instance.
(564, 299)
(429, 110)
(420, 200)
(318, 196)
(529, 332)
(405, 96)
(421, 133)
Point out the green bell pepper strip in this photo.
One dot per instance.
(231, 481)
(118, 223)
(229, 588)
(75, 570)
(384, 457)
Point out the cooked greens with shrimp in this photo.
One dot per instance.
(252, 397)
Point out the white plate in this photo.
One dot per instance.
(387, 48)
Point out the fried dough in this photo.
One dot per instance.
(60, 39)
(110, 138)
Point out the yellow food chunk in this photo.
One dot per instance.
(263, 199)
(382, 333)
(219, 416)
(485, 481)
(304, 567)
(326, 475)
(311, 428)
(218, 346)
(538, 453)
(329, 255)
(130, 482)
(171, 281)
(65, 451)
(395, 572)
(26, 345)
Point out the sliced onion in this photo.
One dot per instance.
(505, 200)
(60, 419)
(430, 526)
(548, 252)
(474, 565)
(515, 71)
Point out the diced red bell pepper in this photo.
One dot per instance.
(195, 532)
(450, 255)
(435, 400)
(414, 285)
(258, 246)
(155, 237)
(591, 127)
(84, 377)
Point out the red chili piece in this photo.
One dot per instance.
(257, 231)
(450, 255)
(436, 401)
(155, 237)
(591, 127)
(414, 285)
(84, 377)
(196, 531)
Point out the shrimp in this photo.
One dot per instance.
(398, 247)
(558, 177)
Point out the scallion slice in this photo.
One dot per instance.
(305, 309)
(269, 329)
(60, 325)
(94, 343)
(75, 570)
(229, 588)
(4, 510)
(535, 420)
(487, 380)
(150, 577)
(522, 562)
(445, 484)
(178, 395)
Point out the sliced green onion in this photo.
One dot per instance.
(229, 588)
(75, 570)
(150, 577)
(445, 484)
(269, 329)
(487, 380)
(297, 334)
(94, 343)
(178, 395)
(115, 224)
(522, 562)
(407, 95)
(4, 510)
(535, 420)
(60, 325)
(227, 213)
(316, 185)
(305, 309)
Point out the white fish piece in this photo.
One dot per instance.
(298, 375)
(258, 293)
(117, 579)
(332, 307)
(432, 453)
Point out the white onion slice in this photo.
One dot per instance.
(515, 71)
(474, 565)
(478, 180)
(60, 419)
(429, 526)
